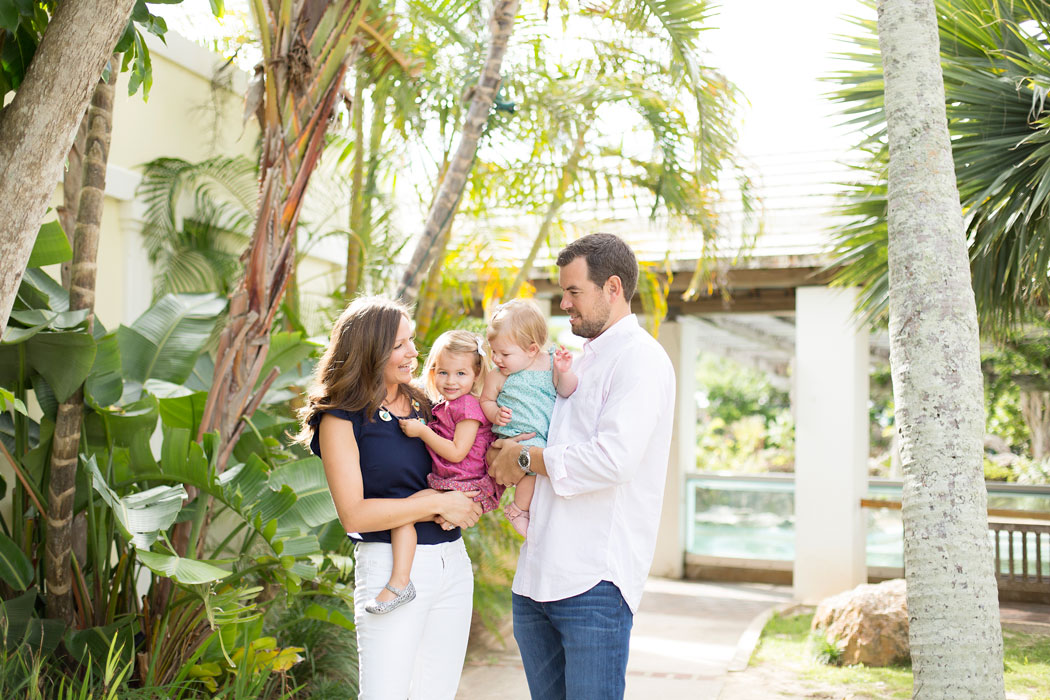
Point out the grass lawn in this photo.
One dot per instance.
(786, 643)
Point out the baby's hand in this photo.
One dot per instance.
(411, 427)
(562, 360)
(503, 417)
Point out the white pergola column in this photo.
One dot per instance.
(831, 443)
(679, 339)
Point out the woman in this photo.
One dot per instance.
(375, 474)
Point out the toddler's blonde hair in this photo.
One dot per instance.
(459, 343)
(522, 321)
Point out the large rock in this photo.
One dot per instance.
(868, 624)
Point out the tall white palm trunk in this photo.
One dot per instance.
(956, 640)
(443, 208)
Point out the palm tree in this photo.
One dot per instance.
(548, 156)
(305, 58)
(956, 639)
(65, 447)
(996, 68)
(39, 125)
(450, 190)
(198, 252)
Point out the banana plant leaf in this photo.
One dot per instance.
(39, 291)
(51, 246)
(166, 340)
(15, 568)
(63, 358)
(335, 617)
(182, 570)
(306, 478)
(289, 352)
(18, 617)
(105, 385)
(121, 425)
(180, 407)
(141, 516)
(93, 644)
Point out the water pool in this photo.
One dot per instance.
(753, 517)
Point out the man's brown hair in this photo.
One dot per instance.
(606, 255)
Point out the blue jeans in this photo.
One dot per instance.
(575, 648)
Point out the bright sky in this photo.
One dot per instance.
(775, 52)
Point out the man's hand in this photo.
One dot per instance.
(502, 459)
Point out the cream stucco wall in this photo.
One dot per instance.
(189, 115)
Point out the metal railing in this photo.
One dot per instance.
(1012, 575)
(1027, 574)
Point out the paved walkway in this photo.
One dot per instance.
(685, 637)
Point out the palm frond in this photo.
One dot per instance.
(996, 66)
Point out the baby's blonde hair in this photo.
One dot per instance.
(458, 343)
(522, 321)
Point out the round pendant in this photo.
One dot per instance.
(384, 414)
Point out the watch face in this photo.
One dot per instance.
(523, 459)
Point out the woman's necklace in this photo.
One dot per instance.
(388, 414)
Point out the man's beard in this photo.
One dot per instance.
(592, 328)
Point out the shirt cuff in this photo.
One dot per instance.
(554, 463)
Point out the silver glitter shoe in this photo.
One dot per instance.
(405, 595)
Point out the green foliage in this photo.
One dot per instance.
(824, 650)
(24, 22)
(199, 251)
(331, 667)
(201, 603)
(745, 423)
(996, 71)
(734, 391)
(785, 649)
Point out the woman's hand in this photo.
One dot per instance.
(412, 427)
(459, 509)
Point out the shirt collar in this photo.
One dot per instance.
(604, 341)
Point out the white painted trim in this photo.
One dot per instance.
(121, 183)
(195, 58)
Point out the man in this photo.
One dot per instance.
(595, 512)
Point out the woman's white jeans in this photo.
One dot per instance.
(417, 650)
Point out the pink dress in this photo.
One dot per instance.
(470, 474)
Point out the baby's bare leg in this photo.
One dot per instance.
(523, 492)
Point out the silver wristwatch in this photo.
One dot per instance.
(525, 459)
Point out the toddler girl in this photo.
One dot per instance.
(519, 398)
(456, 438)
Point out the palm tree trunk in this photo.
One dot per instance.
(300, 92)
(354, 242)
(432, 289)
(441, 211)
(62, 483)
(71, 183)
(568, 176)
(38, 126)
(956, 639)
(1035, 408)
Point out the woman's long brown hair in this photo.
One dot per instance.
(350, 373)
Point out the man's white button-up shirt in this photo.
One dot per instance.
(596, 514)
